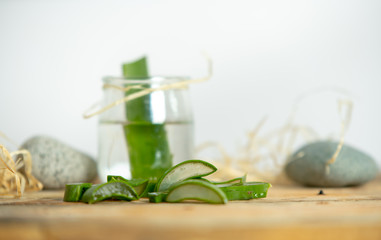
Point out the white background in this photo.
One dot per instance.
(53, 55)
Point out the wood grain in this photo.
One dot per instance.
(289, 212)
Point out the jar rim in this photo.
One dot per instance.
(146, 80)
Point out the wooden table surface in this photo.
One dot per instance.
(289, 212)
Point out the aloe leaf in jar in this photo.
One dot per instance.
(145, 136)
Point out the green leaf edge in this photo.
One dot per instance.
(210, 186)
(70, 187)
(235, 187)
(117, 196)
(214, 169)
(135, 183)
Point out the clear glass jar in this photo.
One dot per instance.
(145, 136)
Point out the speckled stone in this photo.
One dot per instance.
(56, 164)
(352, 167)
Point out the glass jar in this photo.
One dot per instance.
(145, 136)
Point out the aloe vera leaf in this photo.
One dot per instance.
(147, 142)
(148, 149)
(138, 110)
(74, 191)
(185, 170)
(111, 190)
(245, 191)
(157, 197)
(139, 184)
(196, 190)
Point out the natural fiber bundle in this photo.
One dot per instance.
(264, 156)
(16, 173)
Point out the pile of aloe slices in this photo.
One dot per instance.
(181, 182)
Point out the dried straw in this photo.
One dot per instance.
(345, 120)
(264, 157)
(145, 91)
(16, 175)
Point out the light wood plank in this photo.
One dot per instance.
(289, 212)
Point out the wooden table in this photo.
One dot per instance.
(289, 212)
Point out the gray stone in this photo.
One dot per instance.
(352, 167)
(56, 164)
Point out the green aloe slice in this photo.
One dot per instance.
(183, 171)
(115, 178)
(245, 191)
(234, 180)
(196, 190)
(139, 184)
(157, 197)
(150, 187)
(74, 191)
(111, 190)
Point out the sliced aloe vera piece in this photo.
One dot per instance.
(234, 180)
(138, 184)
(245, 191)
(205, 180)
(196, 190)
(74, 191)
(183, 171)
(151, 185)
(115, 177)
(157, 197)
(111, 190)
